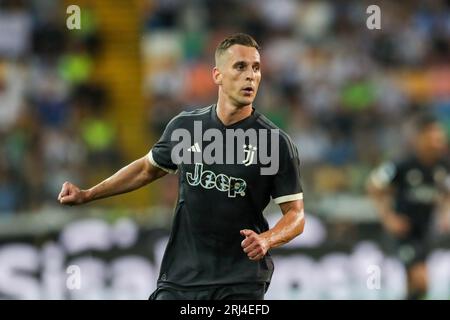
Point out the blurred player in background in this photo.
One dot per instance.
(408, 192)
(218, 248)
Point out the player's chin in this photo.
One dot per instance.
(246, 100)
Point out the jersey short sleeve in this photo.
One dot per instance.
(385, 175)
(286, 184)
(161, 153)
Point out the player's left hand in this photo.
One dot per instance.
(254, 245)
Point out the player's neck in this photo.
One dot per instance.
(229, 114)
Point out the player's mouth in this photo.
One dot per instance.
(248, 90)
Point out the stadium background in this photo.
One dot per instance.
(77, 105)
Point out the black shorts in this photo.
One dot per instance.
(254, 291)
(412, 251)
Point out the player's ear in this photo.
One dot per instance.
(217, 76)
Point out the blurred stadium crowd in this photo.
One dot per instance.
(343, 92)
(52, 123)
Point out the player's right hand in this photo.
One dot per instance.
(398, 225)
(71, 195)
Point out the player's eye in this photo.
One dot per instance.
(256, 68)
(240, 66)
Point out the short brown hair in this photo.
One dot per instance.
(238, 38)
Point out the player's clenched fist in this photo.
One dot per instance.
(71, 195)
(254, 245)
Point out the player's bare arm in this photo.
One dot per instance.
(134, 176)
(382, 198)
(287, 228)
(444, 213)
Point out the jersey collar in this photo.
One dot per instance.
(244, 123)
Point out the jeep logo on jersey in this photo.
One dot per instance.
(208, 180)
(247, 147)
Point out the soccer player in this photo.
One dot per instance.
(220, 241)
(408, 192)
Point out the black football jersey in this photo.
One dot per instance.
(219, 198)
(416, 189)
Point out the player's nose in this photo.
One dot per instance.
(250, 75)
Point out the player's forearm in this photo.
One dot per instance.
(384, 207)
(288, 227)
(444, 209)
(129, 178)
(382, 201)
